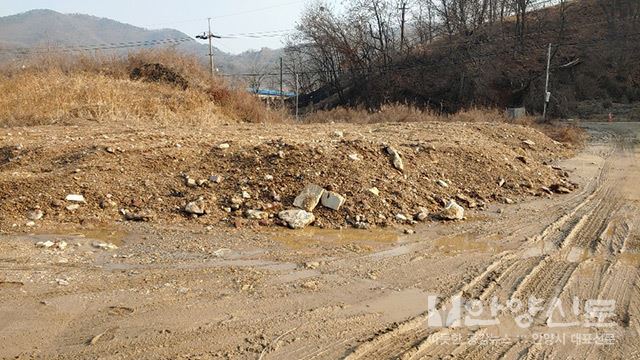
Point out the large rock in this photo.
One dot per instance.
(296, 219)
(396, 160)
(309, 197)
(332, 200)
(452, 211)
(195, 208)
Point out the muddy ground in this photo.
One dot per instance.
(199, 289)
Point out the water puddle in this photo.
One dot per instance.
(102, 235)
(468, 242)
(298, 239)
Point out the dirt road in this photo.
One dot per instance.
(167, 292)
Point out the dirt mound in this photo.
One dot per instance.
(153, 175)
(159, 73)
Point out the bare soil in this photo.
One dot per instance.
(179, 287)
(145, 171)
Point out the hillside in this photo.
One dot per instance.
(499, 62)
(58, 30)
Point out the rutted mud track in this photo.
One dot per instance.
(167, 293)
(582, 253)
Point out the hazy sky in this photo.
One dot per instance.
(189, 16)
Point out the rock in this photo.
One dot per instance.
(332, 200)
(559, 189)
(256, 214)
(522, 159)
(296, 219)
(202, 182)
(215, 179)
(195, 207)
(374, 191)
(312, 265)
(500, 211)
(354, 157)
(467, 201)
(409, 231)
(338, 133)
(110, 150)
(104, 246)
(309, 197)
(452, 211)
(501, 182)
(223, 146)
(35, 215)
(442, 183)
(75, 198)
(396, 160)
(401, 217)
(268, 177)
(30, 223)
(73, 207)
(508, 201)
(190, 182)
(62, 282)
(137, 216)
(422, 214)
(106, 203)
(528, 143)
(546, 190)
(45, 244)
(246, 195)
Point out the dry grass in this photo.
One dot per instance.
(74, 89)
(569, 134)
(564, 133)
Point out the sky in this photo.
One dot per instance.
(268, 17)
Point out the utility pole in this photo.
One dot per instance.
(210, 47)
(403, 9)
(208, 36)
(281, 87)
(297, 94)
(547, 94)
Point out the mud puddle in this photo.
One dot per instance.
(308, 237)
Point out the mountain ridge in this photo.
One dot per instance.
(75, 29)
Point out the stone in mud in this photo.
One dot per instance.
(396, 160)
(452, 211)
(309, 197)
(332, 200)
(296, 219)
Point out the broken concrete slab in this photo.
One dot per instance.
(332, 200)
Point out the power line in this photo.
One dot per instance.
(102, 46)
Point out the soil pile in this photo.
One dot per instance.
(129, 174)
